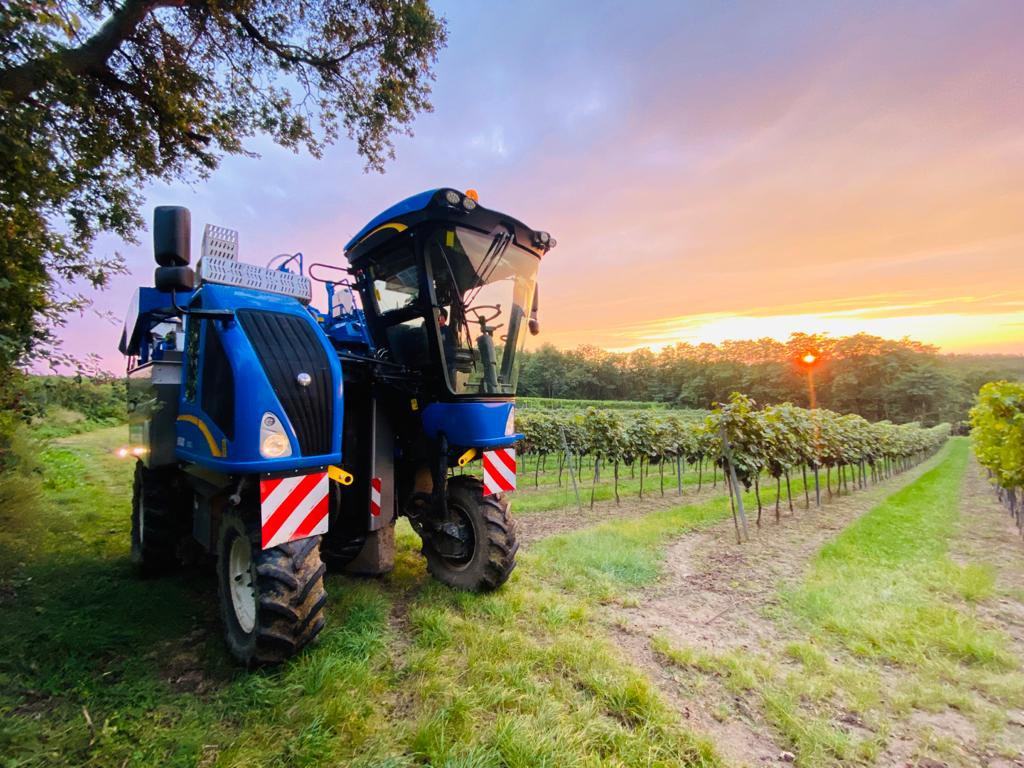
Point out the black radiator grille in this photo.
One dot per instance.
(286, 346)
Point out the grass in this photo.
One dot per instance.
(98, 668)
(882, 624)
(884, 586)
(604, 560)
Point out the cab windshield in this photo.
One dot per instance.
(483, 286)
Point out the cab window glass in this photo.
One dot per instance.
(398, 285)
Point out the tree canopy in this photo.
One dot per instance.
(99, 96)
(900, 380)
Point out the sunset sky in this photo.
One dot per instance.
(710, 170)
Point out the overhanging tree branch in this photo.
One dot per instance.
(20, 81)
(294, 54)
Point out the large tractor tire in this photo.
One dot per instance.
(271, 600)
(489, 533)
(161, 517)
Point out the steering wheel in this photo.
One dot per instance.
(480, 315)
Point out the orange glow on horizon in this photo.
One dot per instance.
(809, 358)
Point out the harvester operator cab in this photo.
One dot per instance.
(441, 254)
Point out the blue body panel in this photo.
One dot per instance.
(409, 205)
(207, 445)
(470, 424)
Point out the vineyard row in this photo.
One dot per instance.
(997, 426)
(773, 441)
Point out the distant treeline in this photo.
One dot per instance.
(877, 378)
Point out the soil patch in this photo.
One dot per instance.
(715, 596)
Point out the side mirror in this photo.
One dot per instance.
(534, 322)
(172, 236)
(171, 279)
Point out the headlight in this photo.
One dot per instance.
(274, 443)
(510, 423)
(452, 197)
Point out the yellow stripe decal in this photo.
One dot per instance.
(393, 225)
(195, 420)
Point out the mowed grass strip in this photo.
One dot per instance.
(886, 586)
(884, 626)
(100, 668)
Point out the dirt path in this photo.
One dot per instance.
(987, 534)
(714, 596)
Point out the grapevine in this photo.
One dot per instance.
(774, 441)
(997, 427)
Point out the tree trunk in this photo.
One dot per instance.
(807, 490)
(679, 476)
(778, 494)
(616, 472)
(789, 492)
(700, 473)
(757, 495)
(641, 477)
(817, 486)
(661, 474)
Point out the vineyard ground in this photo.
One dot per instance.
(568, 665)
(885, 630)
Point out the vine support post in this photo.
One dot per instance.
(734, 486)
(572, 473)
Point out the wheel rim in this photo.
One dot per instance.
(243, 596)
(461, 517)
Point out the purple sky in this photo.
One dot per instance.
(709, 169)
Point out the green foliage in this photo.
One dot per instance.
(99, 98)
(774, 439)
(997, 426)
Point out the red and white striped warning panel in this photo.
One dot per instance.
(375, 486)
(499, 471)
(293, 508)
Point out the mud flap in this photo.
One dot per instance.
(378, 554)
(293, 508)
